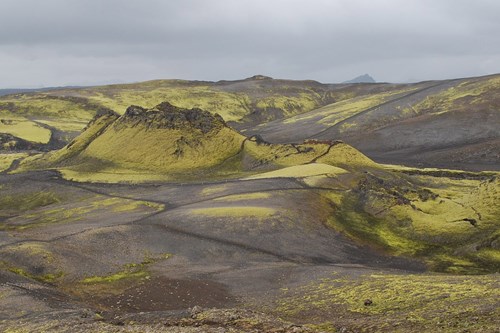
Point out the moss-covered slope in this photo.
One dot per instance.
(64, 112)
(164, 139)
(167, 142)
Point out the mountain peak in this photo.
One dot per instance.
(365, 78)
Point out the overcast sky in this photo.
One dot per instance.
(86, 42)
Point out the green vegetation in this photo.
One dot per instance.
(337, 155)
(118, 280)
(289, 98)
(44, 105)
(125, 274)
(129, 271)
(240, 101)
(235, 211)
(451, 224)
(304, 170)
(16, 203)
(93, 130)
(447, 303)
(289, 105)
(7, 159)
(32, 260)
(153, 153)
(331, 114)
(24, 129)
(20, 113)
(45, 278)
(211, 190)
(231, 106)
(468, 96)
(65, 125)
(85, 208)
(243, 197)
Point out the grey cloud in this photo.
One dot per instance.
(57, 42)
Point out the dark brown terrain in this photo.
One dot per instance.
(166, 219)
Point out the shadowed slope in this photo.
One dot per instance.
(451, 123)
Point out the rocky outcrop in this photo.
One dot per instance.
(166, 115)
(9, 142)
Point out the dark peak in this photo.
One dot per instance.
(259, 77)
(166, 115)
(167, 107)
(365, 78)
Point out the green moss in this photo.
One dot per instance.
(7, 159)
(348, 106)
(299, 171)
(234, 211)
(418, 300)
(129, 271)
(25, 129)
(115, 277)
(45, 278)
(26, 201)
(213, 190)
(395, 215)
(289, 105)
(465, 97)
(244, 197)
(326, 326)
(85, 208)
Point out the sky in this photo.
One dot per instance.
(92, 42)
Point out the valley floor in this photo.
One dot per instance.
(250, 255)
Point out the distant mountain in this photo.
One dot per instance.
(4, 92)
(362, 79)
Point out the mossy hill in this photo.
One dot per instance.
(457, 119)
(250, 101)
(177, 143)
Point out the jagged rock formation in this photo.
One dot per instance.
(165, 115)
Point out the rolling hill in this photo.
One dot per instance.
(148, 218)
(62, 113)
(168, 143)
(453, 123)
(450, 123)
(175, 143)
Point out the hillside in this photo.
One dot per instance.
(167, 143)
(167, 219)
(452, 123)
(62, 113)
(175, 143)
